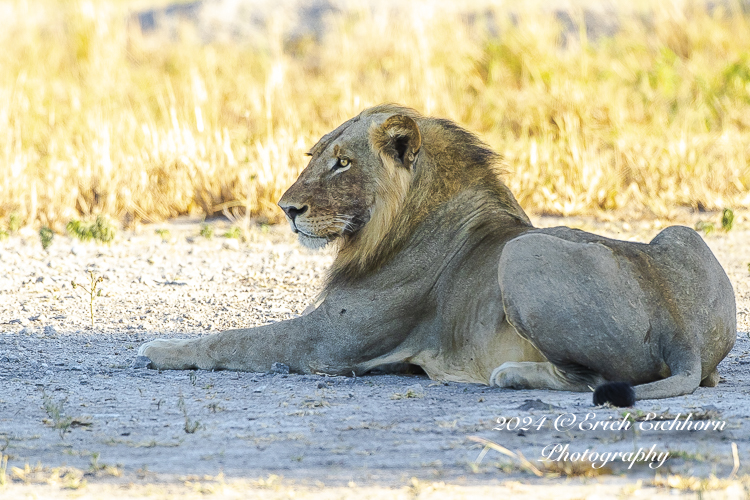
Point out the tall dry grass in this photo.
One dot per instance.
(97, 119)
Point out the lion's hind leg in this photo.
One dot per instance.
(543, 375)
(712, 379)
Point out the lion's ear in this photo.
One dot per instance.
(398, 138)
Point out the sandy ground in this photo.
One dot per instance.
(76, 419)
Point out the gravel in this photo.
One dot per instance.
(380, 429)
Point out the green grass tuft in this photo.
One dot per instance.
(100, 230)
(234, 232)
(207, 231)
(45, 236)
(727, 219)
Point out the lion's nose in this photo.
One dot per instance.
(293, 211)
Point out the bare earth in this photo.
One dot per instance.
(74, 409)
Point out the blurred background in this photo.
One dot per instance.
(139, 112)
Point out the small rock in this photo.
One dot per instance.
(141, 362)
(76, 368)
(145, 280)
(38, 317)
(415, 389)
(279, 368)
(231, 244)
(260, 389)
(537, 404)
(48, 372)
(322, 385)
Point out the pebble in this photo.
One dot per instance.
(146, 281)
(280, 368)
(141, 362)
(260, 389)
(416, 389)
(230, 244)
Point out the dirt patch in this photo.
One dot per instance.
(72, 403)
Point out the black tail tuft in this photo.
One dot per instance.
(615, 393)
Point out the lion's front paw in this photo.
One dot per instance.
(167, 354)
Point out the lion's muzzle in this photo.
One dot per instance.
(292, 211)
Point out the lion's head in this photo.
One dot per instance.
(357, 175)
(371, 181)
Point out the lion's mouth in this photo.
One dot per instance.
(311, 241)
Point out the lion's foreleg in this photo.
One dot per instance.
(298, 343)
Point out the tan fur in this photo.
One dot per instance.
(391, 191)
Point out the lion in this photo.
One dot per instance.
(439, 266)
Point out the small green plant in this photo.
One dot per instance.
(409, 394)
(55, 413)
(100, 230)
(91, 290)
(164, 233)
(233, 232)
(706, 227)
(727, 219)
(207, 231)
(190, 425)
(45, 236)
(103, 469)
(94, 465)
(3, 234)
(14, 222)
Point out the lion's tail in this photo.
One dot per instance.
(681, 382)
(614, 393)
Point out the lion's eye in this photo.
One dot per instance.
(342, 164)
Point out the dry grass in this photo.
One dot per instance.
(96, 119)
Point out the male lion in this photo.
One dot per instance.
(440, 267)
